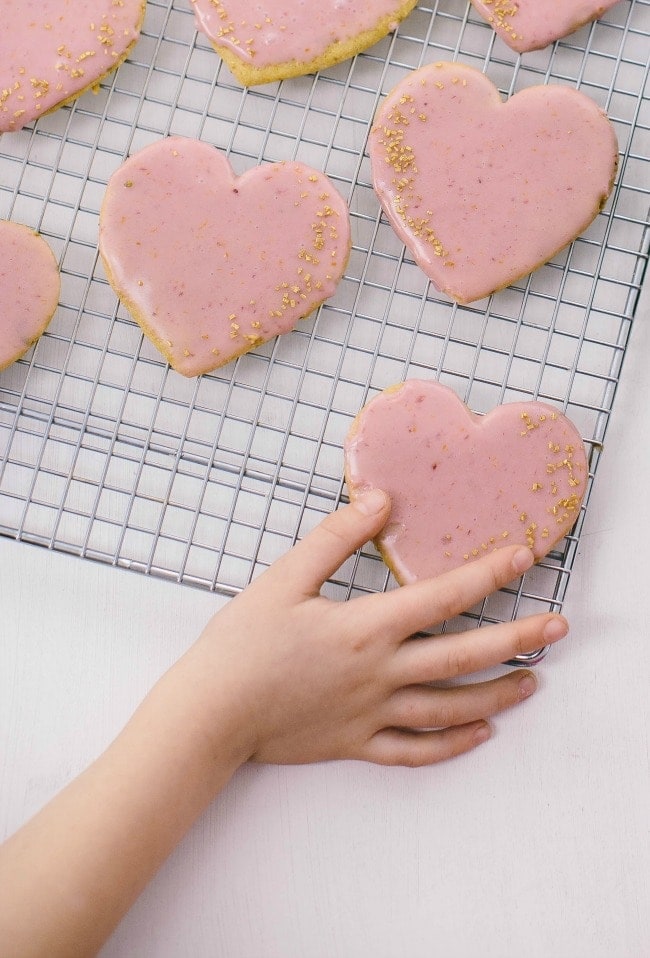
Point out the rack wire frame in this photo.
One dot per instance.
(108, 454)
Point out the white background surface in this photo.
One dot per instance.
(537, 844)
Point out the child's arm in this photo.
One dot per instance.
(281, 674)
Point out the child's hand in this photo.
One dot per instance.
(281, 674)
(313, 679)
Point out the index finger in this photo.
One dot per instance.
(423, 604)
(323, 550)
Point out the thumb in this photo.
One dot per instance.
(316, 557)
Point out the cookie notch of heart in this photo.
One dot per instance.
(213, 265)
(482, 191)
(29, 289)
(460, 484)
(527, 25)
(53, 51)
(293, 39)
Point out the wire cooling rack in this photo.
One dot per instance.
(108, 454)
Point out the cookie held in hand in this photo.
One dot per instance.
(461, 484)
(534, 24)
(54, 50)
(278, 39)
(29, 289)
(484, 191)
(212, 265)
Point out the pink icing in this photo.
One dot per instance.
(29, 289)
(532, 24)
(213, 265)
(267, 32)
(483, 191)
(51, 50)
(460, 484)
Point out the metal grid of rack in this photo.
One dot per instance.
(108, 454)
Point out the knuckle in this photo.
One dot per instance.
(527, 635)
(445, 715)
(458, 746)
(497, 570)
(409, 713)
(520, 643)
(413, 754)
(459, 661)
(506, 691)
(451, 599)
(493, 572)
(414, 760)
(331, 529)
(406, 748)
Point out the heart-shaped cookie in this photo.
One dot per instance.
(481, 191)
(212, 265)
(275, 39)
(54, 50)
(29, 289)
(460, 484)
(534, 24)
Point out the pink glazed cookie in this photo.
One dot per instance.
(52, 51)
(212, 265)
(266, 41)
(461, 484)
(29, 289)
(481, 191)
(534, 24)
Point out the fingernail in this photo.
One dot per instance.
(555, 629)
(371, 502)
(482, 733)
(527, 685)
(522, 560)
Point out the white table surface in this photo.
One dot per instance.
(535, 845)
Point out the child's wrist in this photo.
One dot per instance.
(212, 720)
